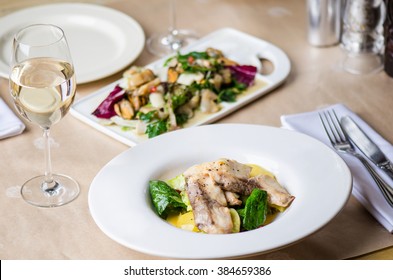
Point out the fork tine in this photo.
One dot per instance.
(337, 126)
(332, 127)
(326, 124)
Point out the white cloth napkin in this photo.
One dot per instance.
(10, 124)
(364, 188)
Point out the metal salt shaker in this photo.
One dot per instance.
(324, 22)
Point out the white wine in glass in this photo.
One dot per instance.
(174, 39)
(43, 86)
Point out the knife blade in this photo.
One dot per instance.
(366, 145)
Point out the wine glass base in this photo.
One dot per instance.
(165, 44)
(62, 190)
(362, 63)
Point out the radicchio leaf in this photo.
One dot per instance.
(244, 74)
(106, 109)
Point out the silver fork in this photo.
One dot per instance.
(340, 142)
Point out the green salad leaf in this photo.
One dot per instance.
(178, 183)
(165, 199)
(255, 210)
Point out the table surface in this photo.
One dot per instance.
(316, 80)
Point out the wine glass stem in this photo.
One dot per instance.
(48, 164)
(172, 18)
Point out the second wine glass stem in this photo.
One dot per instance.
(172, 17)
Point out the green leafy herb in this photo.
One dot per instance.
(191, 56)
(125, 128)
(228, 95)
(181, 119)
(187, 62)
(255, 210)
(156, 128)
(148, 117)
(178, 100)
(165, 199)
(169, 60)
(240, 86)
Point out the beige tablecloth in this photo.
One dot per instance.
(69, 232)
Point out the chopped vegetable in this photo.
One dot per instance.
(188, 62)
(165, 199)
(228, 95)
(178, 183)
(106, 109)
(235, 220)
(147, 117)
(244, 74)
(156, 128)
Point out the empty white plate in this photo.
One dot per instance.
(103, 41)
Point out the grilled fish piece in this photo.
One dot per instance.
(207, 185)
(209, 204)
(277, 194)
(232, 198)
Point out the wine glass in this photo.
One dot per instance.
(42, 85)
(162, 44)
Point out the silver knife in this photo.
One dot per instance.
(366, 145)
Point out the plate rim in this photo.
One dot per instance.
(348, 179)
(91, 10)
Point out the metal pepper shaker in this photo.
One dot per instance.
(388, 62)
(324, 22)
(363, 26)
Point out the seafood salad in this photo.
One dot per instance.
(149, 103)
(220, 197)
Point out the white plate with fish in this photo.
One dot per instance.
(102, 40)
(238, 46)
(120, 204)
